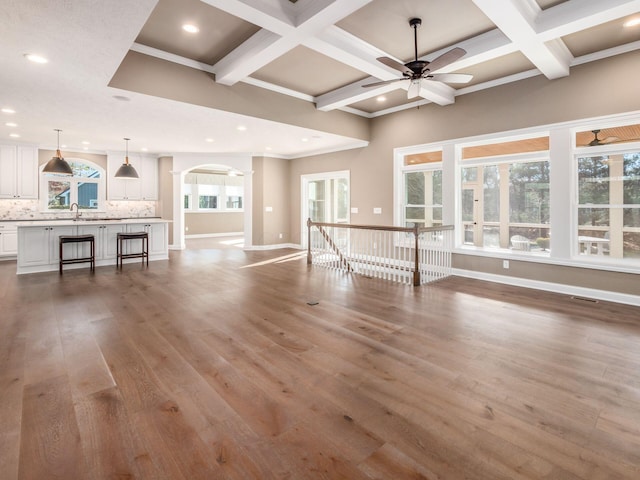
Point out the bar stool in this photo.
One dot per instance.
(63, 239)
(123, 236)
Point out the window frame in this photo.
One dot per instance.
(193, 192)
(75, 182)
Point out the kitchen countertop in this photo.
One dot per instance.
(86, 221)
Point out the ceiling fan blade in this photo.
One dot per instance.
(384, 82)
(451, 77)
(414, 89)
(390, 62)
(445, 59)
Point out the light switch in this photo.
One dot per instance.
(268, 209)
(354, 209)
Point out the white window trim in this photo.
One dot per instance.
(102, 190)
(304, 195)
(563, 204)
(194, 201)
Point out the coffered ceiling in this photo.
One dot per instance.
(316, 51)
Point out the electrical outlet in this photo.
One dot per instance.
(505, 264)
(377, 210)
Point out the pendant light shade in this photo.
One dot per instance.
(126, 170)
(57, 164)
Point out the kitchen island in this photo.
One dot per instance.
(38, 241)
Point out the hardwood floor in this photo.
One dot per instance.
(213, 365)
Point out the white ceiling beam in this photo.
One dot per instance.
(576, 15)
(517, 20)
(261, 14)
(344, 47)
(267, 45)
(352, 93)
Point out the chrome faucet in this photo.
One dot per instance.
(77, 210)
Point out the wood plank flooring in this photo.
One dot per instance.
(212, 365)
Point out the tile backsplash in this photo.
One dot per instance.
(30, 210)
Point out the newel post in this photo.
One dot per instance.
(416, 267)
(309, 260)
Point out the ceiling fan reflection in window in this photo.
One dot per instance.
(597, 141)
(417, 71)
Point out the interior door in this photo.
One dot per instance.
(325, 199)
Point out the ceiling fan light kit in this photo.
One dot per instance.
(418, 70)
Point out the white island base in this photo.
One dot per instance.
(39, 247)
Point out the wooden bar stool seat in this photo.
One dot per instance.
(124, 236)
(63, 239)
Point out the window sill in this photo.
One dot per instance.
(592, 262)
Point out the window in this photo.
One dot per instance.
(85, 187)
(421, 189)
(208, 197)
(423, 198)
(214, 192)
(233, 194)
(504, 197)
(609, 205)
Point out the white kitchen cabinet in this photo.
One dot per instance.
(105, 240)
(148, 178)
(143, 188)
(158, 239)
(39, 246)
(18, 171)
(8, 240)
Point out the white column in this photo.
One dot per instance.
(248, 208)
(449, 185)
(562, 196)
(178, 212)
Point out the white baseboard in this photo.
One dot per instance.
(604, 295)
(274, 247)
(212, 235)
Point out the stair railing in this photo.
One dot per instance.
(409, 255)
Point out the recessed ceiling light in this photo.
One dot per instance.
(381, 98)
(209, 140)
(305, 139)
(267, 148)
(144, 149)
(63, 146)
(32, 57)
(85, 148)
(84, 142)
(8, 110)
(14, 135)
(242, 128)
(188, 27)
(11, 124)
(634, 22)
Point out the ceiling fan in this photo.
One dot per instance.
(418, 70)
(600, 141)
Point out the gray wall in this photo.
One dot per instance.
(600, 88)
(271, 188)
(219, 222)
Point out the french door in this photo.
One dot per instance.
(325, 198)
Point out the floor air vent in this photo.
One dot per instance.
(583, 299)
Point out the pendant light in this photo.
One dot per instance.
(57, 164)
(126, 170)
